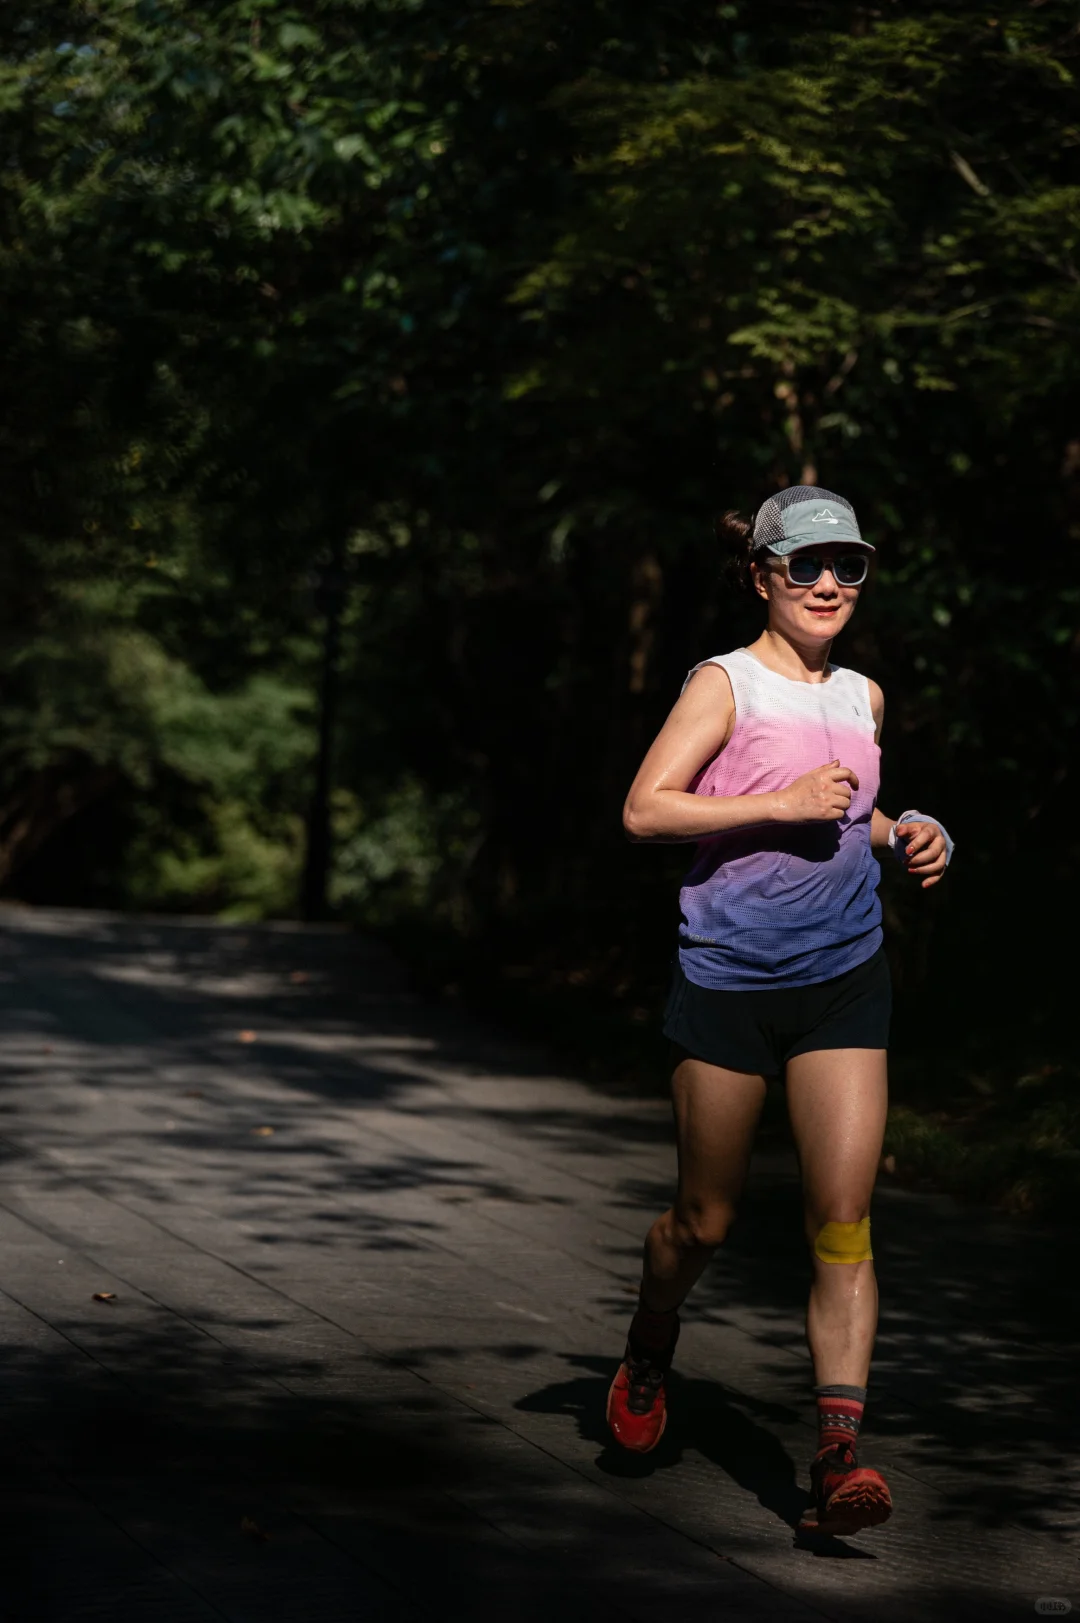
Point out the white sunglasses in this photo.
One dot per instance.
(807, 568)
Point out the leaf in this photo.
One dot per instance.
(262, 1132)
(293, 34)
(103, 1296)
(355, 146)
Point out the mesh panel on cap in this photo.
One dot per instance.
(769, 526)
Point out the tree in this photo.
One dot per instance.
(499, 303)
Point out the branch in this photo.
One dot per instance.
(966, 172)
(837, 379)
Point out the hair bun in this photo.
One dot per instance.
(735, 534)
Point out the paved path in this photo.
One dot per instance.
(371, 1270)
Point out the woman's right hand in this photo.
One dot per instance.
(820, 796)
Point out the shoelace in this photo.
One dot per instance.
(645, 1380)
(841, 1459)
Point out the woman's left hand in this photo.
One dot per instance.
(924, 851)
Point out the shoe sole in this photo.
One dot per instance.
(858, 1504)
(631, 1448)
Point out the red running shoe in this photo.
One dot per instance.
(637, 1402)
(847, 1496)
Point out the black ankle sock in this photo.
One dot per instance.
(654, 1333)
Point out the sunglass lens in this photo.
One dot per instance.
(804, 568)
(850, 568)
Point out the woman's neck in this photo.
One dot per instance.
(799, 662)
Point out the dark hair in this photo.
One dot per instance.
(735, 534)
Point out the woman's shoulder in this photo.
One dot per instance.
(720, 659)
(713, 672)
(721, 662)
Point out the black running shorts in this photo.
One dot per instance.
(760, 1031)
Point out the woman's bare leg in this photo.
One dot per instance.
(716, 1112)
(837, 1099)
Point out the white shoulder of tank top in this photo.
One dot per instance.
(837, 673)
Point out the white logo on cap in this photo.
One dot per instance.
(826, 516)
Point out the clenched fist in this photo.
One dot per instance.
(924, 854)
(820, 796)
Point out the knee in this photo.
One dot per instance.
(703, 1225)
(843, 1238)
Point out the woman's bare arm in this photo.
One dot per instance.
(660, 808)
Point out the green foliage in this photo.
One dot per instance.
(1018, 1145)
(407, 860)
(237, 863)
(94, 705)
(499, 304)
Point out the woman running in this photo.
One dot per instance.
(770, 761)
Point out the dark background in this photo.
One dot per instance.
(447, 329)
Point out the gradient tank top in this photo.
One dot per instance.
(785, 904)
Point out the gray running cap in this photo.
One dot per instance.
(806, 516)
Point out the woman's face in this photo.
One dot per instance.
(805, 613)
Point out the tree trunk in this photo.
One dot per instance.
(330, 596)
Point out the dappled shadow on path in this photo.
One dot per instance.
(299, 1092)
(714, 1421)
(135, 1487)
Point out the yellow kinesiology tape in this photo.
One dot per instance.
(844, 1242)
